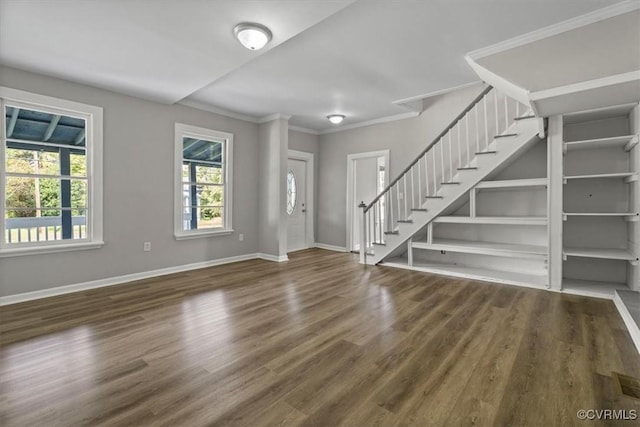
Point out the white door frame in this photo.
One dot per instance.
(351, 202)
(308, 158)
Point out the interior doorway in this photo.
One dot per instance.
(367, 176)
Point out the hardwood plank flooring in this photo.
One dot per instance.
(317, 341)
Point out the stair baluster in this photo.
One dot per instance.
(383, 215)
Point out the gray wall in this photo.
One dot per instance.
(309, 143)
(138, 191)
(138, 182)
(404, 138)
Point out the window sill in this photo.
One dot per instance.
(38, 250)
(202, 233)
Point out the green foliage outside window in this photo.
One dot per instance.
(22, 193)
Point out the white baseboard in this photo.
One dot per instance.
(631, 325)
(61, 290)
(274, 258)
(330, 247)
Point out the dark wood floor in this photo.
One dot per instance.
(317, 341)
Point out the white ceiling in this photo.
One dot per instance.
(613, 48)
(326, 56)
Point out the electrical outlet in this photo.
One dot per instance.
(241, 237)
(147, 247)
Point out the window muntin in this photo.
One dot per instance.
(46, 152)
(291, 192)
(203, 194)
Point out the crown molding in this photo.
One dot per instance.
(231, 114)
(304, 130)
(559, 28)
(220, 111)
(371, 122)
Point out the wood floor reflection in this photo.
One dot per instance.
(316, 341)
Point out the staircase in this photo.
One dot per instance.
(492, 130)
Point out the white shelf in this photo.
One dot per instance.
(621, 254)
(501, 220)
(513, 183)
(605, 175)
(485, 248)
(592, 288)
(496, 276)
(628, 215)
(627, 142)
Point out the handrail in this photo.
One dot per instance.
(434, 142)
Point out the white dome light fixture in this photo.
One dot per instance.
(336, 119)
(252, 36)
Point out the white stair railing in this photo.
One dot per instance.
(490, 114)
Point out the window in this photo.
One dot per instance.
(203, 192)
(51, 178)
(291, 192)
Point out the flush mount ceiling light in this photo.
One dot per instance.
(336, 119)
(252, 36)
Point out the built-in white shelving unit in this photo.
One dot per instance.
(564, 215)
(600, 202)
(498, 234)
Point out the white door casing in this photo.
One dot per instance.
(300, 220)
(354, 213)
(296, 205)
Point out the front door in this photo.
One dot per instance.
(296, 205)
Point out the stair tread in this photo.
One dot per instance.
(527, 135)
(505, 135)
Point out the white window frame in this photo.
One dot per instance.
(183, 130)
(94, 155)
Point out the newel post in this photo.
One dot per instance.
(363, 235)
